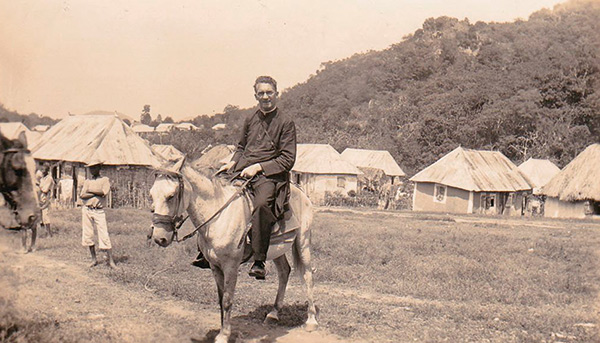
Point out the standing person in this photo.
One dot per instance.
(45, 186)
(266, 149)
(93, 194)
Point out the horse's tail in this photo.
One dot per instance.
(297, 259)
(301, 254)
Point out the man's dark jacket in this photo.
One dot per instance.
(271, 141)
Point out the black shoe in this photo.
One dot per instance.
(201, 262)
(258, 270)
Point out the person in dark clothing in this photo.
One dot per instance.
(266, 151)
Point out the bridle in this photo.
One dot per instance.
(173, 223)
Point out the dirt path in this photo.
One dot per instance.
(87, 306)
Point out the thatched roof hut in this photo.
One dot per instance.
(379, 159)
(214, 157)
(84, 138)
(538, 172)
(168, 152)
(322, 159)
(579, 180)
(475, 170)
(11, 130)
(128, 158)
(470, 181)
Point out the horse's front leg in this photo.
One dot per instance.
(283, 273)
(226, 300)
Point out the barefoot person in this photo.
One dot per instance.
(93, 194)
(265, 153)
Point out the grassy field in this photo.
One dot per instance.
(393, 277)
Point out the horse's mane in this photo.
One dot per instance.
(209, 186)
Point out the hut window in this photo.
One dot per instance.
(341, 182)
(439, 194)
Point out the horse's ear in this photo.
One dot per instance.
(22, 139)
(178, 165)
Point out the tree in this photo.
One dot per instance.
(169, 120)
(145, 117)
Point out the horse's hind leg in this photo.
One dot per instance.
(303, 265)
(283, 273)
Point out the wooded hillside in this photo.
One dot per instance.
(526, 88)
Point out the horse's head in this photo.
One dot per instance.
(170, 199)
(17, 170)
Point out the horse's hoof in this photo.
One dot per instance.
(221, 338)
(310, 327)
(271, 318)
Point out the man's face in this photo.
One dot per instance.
(266, 96)
(95, 170)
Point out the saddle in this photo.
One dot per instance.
(283, 231)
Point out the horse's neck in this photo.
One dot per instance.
(207, 196)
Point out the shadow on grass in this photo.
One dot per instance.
(251, 326)
(121, 258)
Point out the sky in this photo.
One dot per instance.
(193, 57)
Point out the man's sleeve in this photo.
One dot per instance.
(105, 186)
(84, 188)
(241, 145)
(287, 152)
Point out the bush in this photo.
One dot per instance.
(351, 200)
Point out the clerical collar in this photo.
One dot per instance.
(267, 113)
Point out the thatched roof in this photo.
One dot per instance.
(84, 138)
(578, 180)
(142, 128)
(109, 113)
(322, 159)
(12, 130)
(168, 152)
(538, 172)
(164, 127)
(380, 159)
(214, 157)
(475, 170)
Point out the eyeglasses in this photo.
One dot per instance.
(268, 93)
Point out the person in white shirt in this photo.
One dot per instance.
(93, 195)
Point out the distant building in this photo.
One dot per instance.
(186, 126)
(538, 172)
(164, 128)
(374, 159)
(471, 181)
(168, 152)
(142, 128)
(213, 157)
(319, 168)
(575, 191)
(220, 126)
(41, 128)
(11, 130)
(128, 159)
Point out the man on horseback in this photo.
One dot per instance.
(265, 153)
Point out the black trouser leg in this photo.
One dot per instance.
(262, 218)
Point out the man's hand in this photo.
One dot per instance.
(252, 170)
(226, 167)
